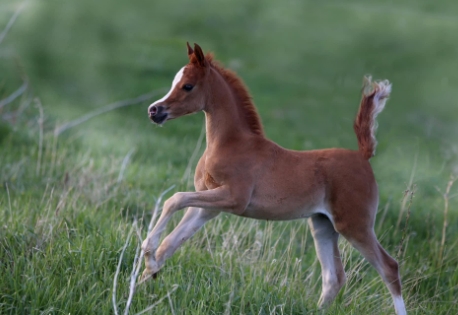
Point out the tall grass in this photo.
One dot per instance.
(67, 219)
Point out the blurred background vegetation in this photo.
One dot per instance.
(303, 62)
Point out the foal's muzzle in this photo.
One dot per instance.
(157, 114)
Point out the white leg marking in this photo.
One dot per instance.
(399, 305)
(333, 275)
(329, 276)
(176, 80)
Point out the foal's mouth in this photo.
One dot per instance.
(158, 119)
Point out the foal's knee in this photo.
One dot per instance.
(173, 203)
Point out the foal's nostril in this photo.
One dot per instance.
(157, 114)
(153, 111)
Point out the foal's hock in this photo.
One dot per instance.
(244, 173)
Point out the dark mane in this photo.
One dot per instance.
(242, 94)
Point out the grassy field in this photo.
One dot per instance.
(69, 201)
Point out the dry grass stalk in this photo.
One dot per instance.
(40, 140)
(14, 95)
(68, 125)
(447, 198)
(138, 260)
(408, 199)
(125, 161)
(384, 212)
(11, 21)
(115, 280)
(404, 200)
(174, 287)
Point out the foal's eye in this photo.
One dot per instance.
(187, 87)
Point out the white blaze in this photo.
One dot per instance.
(177, 79)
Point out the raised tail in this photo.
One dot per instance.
(375, 95)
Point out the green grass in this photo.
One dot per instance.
(64, 216)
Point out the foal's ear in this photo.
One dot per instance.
(190, 51)
(199, 54)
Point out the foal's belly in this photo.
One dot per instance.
(278, 206)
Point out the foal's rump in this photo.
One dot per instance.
(351, 189)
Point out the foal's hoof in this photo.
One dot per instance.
(148, 275)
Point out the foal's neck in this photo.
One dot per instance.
(226, 118)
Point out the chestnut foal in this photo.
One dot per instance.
(243, 173)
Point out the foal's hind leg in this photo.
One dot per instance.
(332, 272)
(365, 241)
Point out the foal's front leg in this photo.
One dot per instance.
(192, 221)
(221, 198)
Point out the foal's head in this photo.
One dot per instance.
(188, 91)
